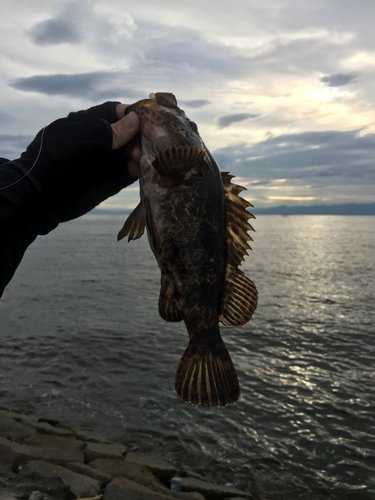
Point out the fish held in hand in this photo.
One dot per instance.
(197, 226)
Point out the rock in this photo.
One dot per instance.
(163, 471)
(91, 437)
(49, 454)
(129, 470)
(193, 495)
(9, 459)
(46, 428)
(11, 429)
(212, 491)
(100, 450)
(12, 494)
(86, 470)
(81, 486)
(121, 488)
(51, 441)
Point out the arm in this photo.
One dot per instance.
(70, 167)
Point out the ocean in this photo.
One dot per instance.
(82, 342)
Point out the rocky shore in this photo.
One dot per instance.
(41, 459)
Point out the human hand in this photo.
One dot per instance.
(79, 161)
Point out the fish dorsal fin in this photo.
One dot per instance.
(169, 298)
(134, 225)
(177, 161)
(240, 295)
(237, 221)
(240, 298)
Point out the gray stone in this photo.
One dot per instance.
(55, 455)
(91, 437)
(121, 488)
(100, 450)
(46, 428)
(129, 470)
(212, 491)
(86, 470)
(11, 429)
(81, 486)
(193, 495)
(51, 441)
(12, 494)
(9, 459)
(163, 471)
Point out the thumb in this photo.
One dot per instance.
(125, 129)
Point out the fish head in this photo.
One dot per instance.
(164, 125)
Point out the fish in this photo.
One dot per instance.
(197, 227)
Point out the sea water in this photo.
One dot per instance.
(82, 342)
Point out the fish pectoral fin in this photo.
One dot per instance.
(134, 225)
(169, 298)
(177, 161)
(240, 298)
(206, 376)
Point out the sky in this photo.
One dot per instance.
(282, 91)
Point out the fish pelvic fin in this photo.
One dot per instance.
(240, 298)
(176, 162)
(206, 376)
(134, 225)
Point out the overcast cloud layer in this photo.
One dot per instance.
(282, 92)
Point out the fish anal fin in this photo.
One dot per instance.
(134, 225)
(176, 161)
(239, 300)
(169, 301)
(206, 376)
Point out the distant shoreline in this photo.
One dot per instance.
(342, 209)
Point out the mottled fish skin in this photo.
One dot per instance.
(183, 208)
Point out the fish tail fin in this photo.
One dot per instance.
(206, 376)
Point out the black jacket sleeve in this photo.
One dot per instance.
(66, 171)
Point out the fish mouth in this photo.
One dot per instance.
(156, 101)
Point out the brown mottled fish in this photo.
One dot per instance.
(197, 229)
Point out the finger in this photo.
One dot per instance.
(120, 110)
(134, 169)
(124, 130)
(133, 149)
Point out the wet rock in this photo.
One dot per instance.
(100, 450)
(193, 495)
(9, 459)
(46, 428)
(132, 471)
(86, 470)
(51, 441)
(121, 488)
(49, 454)
(91, 437)
(11, 429)
(163, 471)
(81, 486)
(212, 491)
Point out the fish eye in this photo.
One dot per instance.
(193, 126)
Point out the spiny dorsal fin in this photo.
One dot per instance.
(240, 298)
(177, 161)
(169, 307)
(206, 376)
(134, 225)
(237, 217)
(240, 295)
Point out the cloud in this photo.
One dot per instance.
(318, 158)
(55, 31)
(198, 103)
(97, 85)
(11, 146)
(225, 121)
(338, 80)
